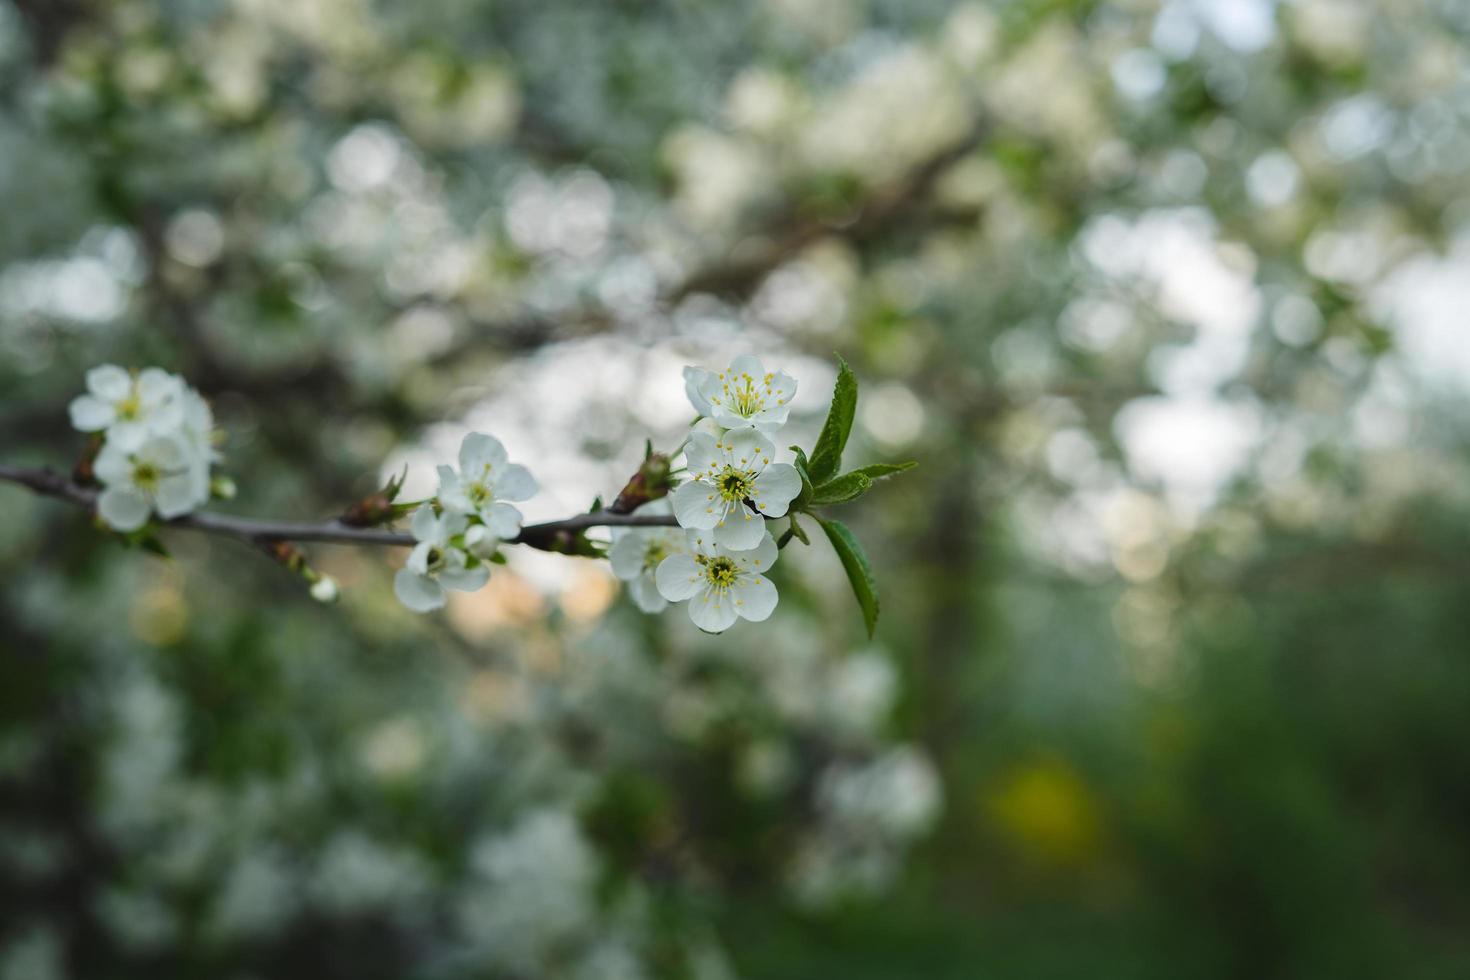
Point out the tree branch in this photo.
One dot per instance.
(544, 536)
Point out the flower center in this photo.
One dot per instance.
(721, 572)
(146, 476)
(130, 407)
(653, 555)
(478, 493)
(734, 485)
(745, 395)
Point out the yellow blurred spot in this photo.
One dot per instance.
(1049, 813)
(591, 591)
(506, 600)
(160, 616)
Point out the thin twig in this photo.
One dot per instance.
(48, 483)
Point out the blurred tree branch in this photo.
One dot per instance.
(545, 536)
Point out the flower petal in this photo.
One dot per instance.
(418, 592)
(776, 487)
(451, 493)
(155, 386)
(123, 508)
(175, 496)
(478, 451)
(748, 364)
(694, 505)
(464, 579)
(740, 530)
(646, 596)
(127, 435)
(418, 558)
(712, 611)
(514, 482)
(503, 520)
(759, 558)
(112, 465)
(90, 414)
(694, 379)
(425, 524)
(702, 454)
(677, 577)
(109, 382)
(747, 449)
(754, 597)
(626, 556)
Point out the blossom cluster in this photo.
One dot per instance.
(157, 444)
(461, 530)
(718, 562)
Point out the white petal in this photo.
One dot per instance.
(127, 435)
(626, 556)
(418, 592)
(89, 414)
(425, 525)
(503, 520)
(418, 558)
(730, 419)
(695, 505)
(776, 487)
(451, 493)
(748, 364)
(464, 579)
(176, 496)
(754, 597)
(165, 452)
(749, 450)
(678, 577)
(702, 454)
(156, 386)
(165, 417)
(480, 541)
(699, 542)
(515, 482)
(759, 558)
(478, 451)
(711, 428)
(112, 465)
(741, 530)
(694, 379)
(109, 382)
(646, 597)
(123, 508)
(451, 524)
(712, 611)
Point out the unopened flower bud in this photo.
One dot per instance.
(222, 488)
(324, 589)
(481, 542)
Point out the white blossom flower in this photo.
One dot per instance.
(742, 396)
(727, 473)
(721, 585)
(159, 475)
(436, 563)
(637, 552)
(485, 484)
(129, 407)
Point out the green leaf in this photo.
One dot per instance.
(876, 471)
(799, 531)
(847, 487)
(805, 497)
(827, 454)
(855, 563)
